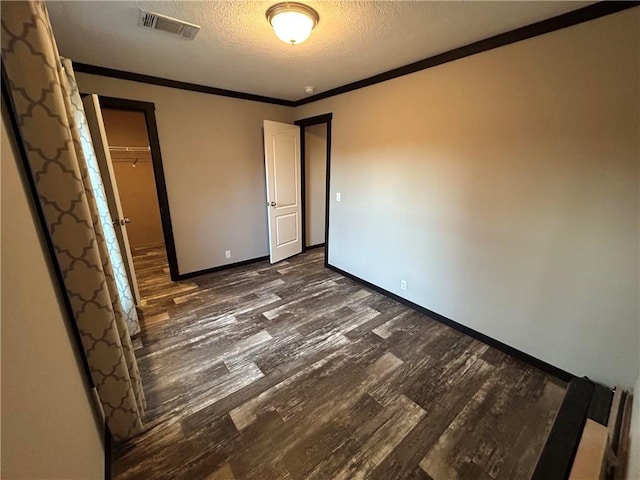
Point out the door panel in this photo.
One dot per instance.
(286, 163)
(287, 229)
(282, 166)
(101, 147)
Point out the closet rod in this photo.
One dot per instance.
(114, 148)
(130, 159)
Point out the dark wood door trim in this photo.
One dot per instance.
(303, 123)
(148, 109)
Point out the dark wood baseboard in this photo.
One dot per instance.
(317, 245)
(503, 347)
(148, 108)
(197, 273)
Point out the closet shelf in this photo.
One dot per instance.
(114, 149)
(130, 154)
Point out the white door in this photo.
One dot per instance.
(101, 147)
(282, 162)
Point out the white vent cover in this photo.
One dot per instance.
(158, 21)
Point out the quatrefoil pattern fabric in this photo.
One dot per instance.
(64, 169)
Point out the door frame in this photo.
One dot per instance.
(148, 108)
(303, 123)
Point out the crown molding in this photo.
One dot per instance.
(575, 17)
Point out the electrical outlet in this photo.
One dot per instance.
(227, 254)
(403, 284)
(338, 197)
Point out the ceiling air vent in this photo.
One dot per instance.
(168, 24)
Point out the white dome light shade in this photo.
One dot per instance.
(292, 27)
(292, 22)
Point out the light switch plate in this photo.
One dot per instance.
(338, 197)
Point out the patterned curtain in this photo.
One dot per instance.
(94, 187)
(65, 171)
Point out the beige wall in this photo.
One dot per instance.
(125, 128)
(136, 185)
(315, 182)
(504, 188)
(48, 424)
(214, 167)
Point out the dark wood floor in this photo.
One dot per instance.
(292, 371)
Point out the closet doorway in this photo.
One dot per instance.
(131, 159)
(315, 160)
(134, 149)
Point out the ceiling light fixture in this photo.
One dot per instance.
(292, 21)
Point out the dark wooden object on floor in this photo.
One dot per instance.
(560, 448)
(615, 417)
(599, 419)
(622, 451)
(292, 371)
(600, 405)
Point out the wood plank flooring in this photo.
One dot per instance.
(291, 371)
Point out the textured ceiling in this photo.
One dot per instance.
(237, 50)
